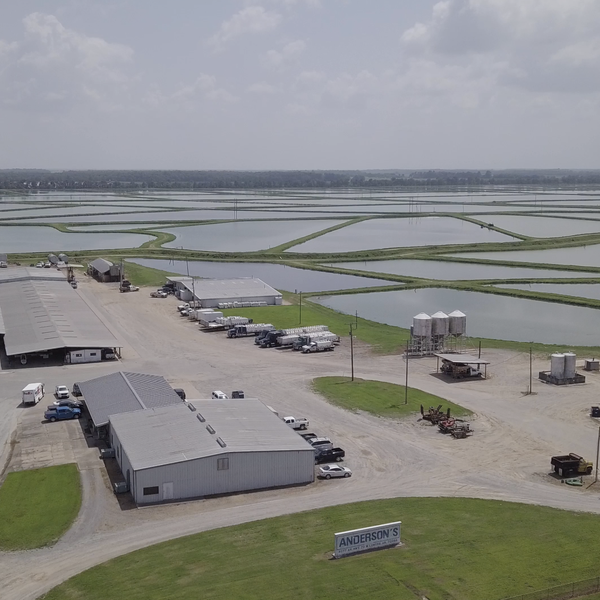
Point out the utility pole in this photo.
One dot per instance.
(406, 381)
(300, 322)
(597, 455)
(352, 327)
(530, 369)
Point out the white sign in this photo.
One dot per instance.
(368, 538)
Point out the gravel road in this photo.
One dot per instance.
(507, 458)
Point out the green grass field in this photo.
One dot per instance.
(38, 506)
(379, 397)
(454, 548)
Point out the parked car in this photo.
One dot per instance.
(329, 471)
(61, 392)
(61, 413)
(76, 391)
(69, 403)
(158, 294)
(218, 395)
(237, 394)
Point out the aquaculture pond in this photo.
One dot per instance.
(280, 277)
(543, 227)
(401, 232)
(27, 238)
(488, 315)
(585, 256)
(244, 236)
(582, 290)
(429, 269)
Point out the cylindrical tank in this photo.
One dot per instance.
(458, 323)
(52, 258)
(422, 325)
(557, 366)
(570, 365)
(63, 258)
(440, 323)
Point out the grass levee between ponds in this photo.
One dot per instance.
(38, 506)
(458, 548)
(379, 397)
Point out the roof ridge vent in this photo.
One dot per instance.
(200, 418)
(191, 407)
(210, 428)
(221, 442)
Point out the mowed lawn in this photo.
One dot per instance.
(453, 548)
(383, 338)
(38, 506)
(379, 397)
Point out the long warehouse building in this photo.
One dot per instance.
(207, 447)
(41, 313)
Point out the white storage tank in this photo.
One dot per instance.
(440, 323)
(557, 366)
(458, 323)
(422, 325)
(570, 365)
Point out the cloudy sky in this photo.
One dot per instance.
(299, 84)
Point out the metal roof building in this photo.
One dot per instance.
(103, 270)
(125, 392)
(41, 312)
(207, 447)
(214, 292)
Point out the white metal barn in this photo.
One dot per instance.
(215, 293)
(207, 447)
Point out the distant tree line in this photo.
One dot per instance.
(38, 179)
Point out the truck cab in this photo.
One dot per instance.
(62, 413)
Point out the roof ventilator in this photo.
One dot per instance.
(200, 418)
(221, 442)
(191, 406)
(210, 429)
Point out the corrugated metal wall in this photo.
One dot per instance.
(247, 471)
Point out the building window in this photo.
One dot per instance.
(151, 491)
(222, 464)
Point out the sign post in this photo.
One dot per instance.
(377, 537)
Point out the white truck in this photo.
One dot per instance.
(295, 423)
(318, 346)
(32, 393)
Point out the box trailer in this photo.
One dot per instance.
(84, 356)
(32, 393)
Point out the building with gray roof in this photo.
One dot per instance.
(124, 392)
(218, 293)
(207, 447)
(104, 270)
(42, 313)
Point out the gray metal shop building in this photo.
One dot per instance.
(207, 447)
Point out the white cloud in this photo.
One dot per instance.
(53, 66)
(189, 96)
(543, 43)
(289, 53)
(263, 88)
(253, 19)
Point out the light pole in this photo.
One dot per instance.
(406, 381)
(352, 327)
(300, 322)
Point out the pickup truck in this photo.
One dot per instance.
(571, 464)
(325, 456)
(318, 346)
(296, 423)
(60, 413)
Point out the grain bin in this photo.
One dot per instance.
(422, 325)
(557, 366)
(570, 365)
(63, 258)
(458, 323)
(440, 323)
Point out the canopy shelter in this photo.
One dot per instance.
(461, 365)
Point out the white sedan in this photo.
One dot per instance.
(61, 392)
(329, 471)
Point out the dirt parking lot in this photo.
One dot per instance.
(507, 457)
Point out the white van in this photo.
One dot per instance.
(33, 393)
(218, 395)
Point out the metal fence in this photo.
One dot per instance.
(576, 589)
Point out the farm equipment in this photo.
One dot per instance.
(435, 415)
(455, 427)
